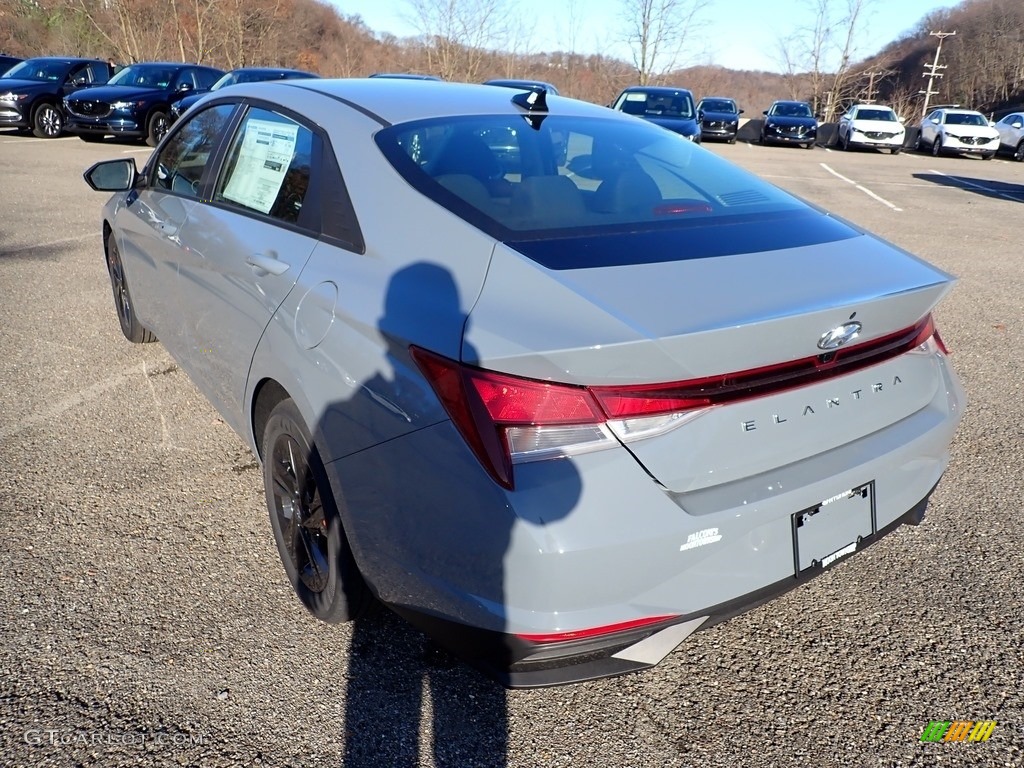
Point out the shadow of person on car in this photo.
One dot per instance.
(429, 530)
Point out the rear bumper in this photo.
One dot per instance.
(592, 546)
(516, 663)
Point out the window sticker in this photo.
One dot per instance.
(267, 150)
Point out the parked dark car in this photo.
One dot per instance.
(671, 108)
(137, 101)
(6, 62)
(790, 122)
(720, 118)
(32, 92)
(525, 85)
(236, 76)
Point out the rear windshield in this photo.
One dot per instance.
(573, 176)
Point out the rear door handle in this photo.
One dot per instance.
(264, 264)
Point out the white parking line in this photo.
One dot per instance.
(862, 188)
(982, 187)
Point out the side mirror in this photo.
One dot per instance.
(765, 112)
(1018, 124)
(739, 112)
(934, 120)
(184, 88)
(112, 175)
(79, 81)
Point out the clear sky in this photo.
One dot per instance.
(739, 34)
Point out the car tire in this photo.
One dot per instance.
(988, 155)
(731, 140)
(895, 150)
(47, 122)
(937, 146)
(844, 143)
(156, 127)
(91, 138)
(809, 145)
(304, 517)
(132, 329)
(1018, 153)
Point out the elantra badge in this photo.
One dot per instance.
(840, 335)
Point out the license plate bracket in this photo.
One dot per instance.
(833, 529)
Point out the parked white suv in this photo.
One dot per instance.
(1011, 135)
(871, 125)
(959, 130)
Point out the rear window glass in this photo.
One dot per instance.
(572, 175)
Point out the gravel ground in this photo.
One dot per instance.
(147, 620)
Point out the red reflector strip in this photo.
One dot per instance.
(622, 402)
(582, 634)
(679, 209)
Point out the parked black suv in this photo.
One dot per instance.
(137, 101)
(32, 92)
(237, 76)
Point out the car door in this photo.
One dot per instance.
(845, 123)
(154, 216)
(244, 247)
(1010, 130)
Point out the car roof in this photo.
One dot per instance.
(63, 59)
(398, 100)
(718, 98)
(516, 83)
(958, 111)
(656, 89)
(268, 69)
(872, 106)
(791, 101)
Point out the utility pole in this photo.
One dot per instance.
(871, 82)
(933, 70)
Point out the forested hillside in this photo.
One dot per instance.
(985, 59)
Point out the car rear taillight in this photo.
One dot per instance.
(509, 420)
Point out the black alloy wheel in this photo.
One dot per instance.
(1018, 153)
(47, 122)
(307, 527)
(157, 127)
(937, 145)
(132, 329)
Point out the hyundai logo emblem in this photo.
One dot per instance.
(840, 335)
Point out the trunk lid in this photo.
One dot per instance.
(673, 321)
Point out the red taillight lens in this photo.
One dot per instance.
(512, 400)
(485, 405)
(582, 634)
(509, 419)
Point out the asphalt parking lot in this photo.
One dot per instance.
(147, 619)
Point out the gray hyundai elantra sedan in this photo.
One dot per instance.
(557, 385)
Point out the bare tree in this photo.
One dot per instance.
(657, 31)
(457, 33)
(823, 51)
